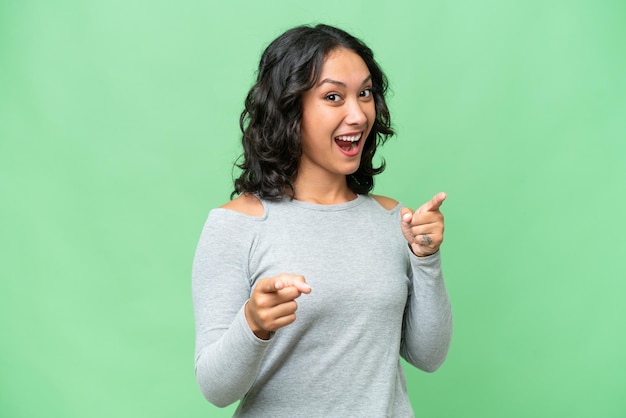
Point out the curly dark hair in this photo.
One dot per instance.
(270, 122)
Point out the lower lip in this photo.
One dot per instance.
(352, 152)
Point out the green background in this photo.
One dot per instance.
(119, 127)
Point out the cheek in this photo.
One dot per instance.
(371, 114)
(307, 126)
(310, 127)
(307, 120)
(310, 116)
(320, 121)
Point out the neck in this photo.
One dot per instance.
(323, 192)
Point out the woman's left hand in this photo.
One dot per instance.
(423, 229)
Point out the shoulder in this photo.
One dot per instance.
(386, 202)
(246, 204)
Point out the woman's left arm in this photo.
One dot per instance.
(427, 327)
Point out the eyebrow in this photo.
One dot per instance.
(341, 83)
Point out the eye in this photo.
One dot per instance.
(333, 97)
(366, 93)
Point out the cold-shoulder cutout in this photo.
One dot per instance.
(246, 204)
(386, 202)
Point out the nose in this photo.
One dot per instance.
(355, 112)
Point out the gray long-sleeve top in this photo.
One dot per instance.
(372, 301)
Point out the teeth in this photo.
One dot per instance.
(353, 138)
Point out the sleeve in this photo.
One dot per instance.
(427, 326)
(228, 355)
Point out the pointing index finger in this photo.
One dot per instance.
(274, 284)
(434, 204)
(297, 281)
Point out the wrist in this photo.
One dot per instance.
(421, 254)
(260, 333)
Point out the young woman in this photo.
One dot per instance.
(365, 270)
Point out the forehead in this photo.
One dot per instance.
(343, 65)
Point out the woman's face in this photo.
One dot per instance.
(338, 114)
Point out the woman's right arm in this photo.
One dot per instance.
(228, 355)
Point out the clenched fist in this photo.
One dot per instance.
(272, 304)
(423, 229)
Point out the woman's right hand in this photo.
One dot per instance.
(272, 304)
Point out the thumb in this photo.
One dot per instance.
(406, 215)
(434, 204)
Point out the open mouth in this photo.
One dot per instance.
(349, 144)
